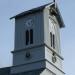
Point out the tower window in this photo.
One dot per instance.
(52, 39)
(29, 37)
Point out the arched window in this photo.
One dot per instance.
(52, 39)
(27, 37)
(31, 36)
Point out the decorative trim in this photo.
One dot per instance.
(36, 46)
(54, 52)
(41, 69)
(29, 63)
(54, 66)
(39, 61)
(51, 71)
(24, 49)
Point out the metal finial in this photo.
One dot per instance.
(54, 2)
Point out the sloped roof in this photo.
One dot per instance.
(40, 8)
(5, 71)
(31, 10)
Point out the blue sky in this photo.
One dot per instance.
(9, 8)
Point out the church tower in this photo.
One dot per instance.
(37, 42)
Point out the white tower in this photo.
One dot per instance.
(37, 42)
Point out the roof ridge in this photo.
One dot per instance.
(33, 9)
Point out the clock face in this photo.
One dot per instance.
(51, 26)
(29, 23)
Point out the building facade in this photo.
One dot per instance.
(37, 42)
